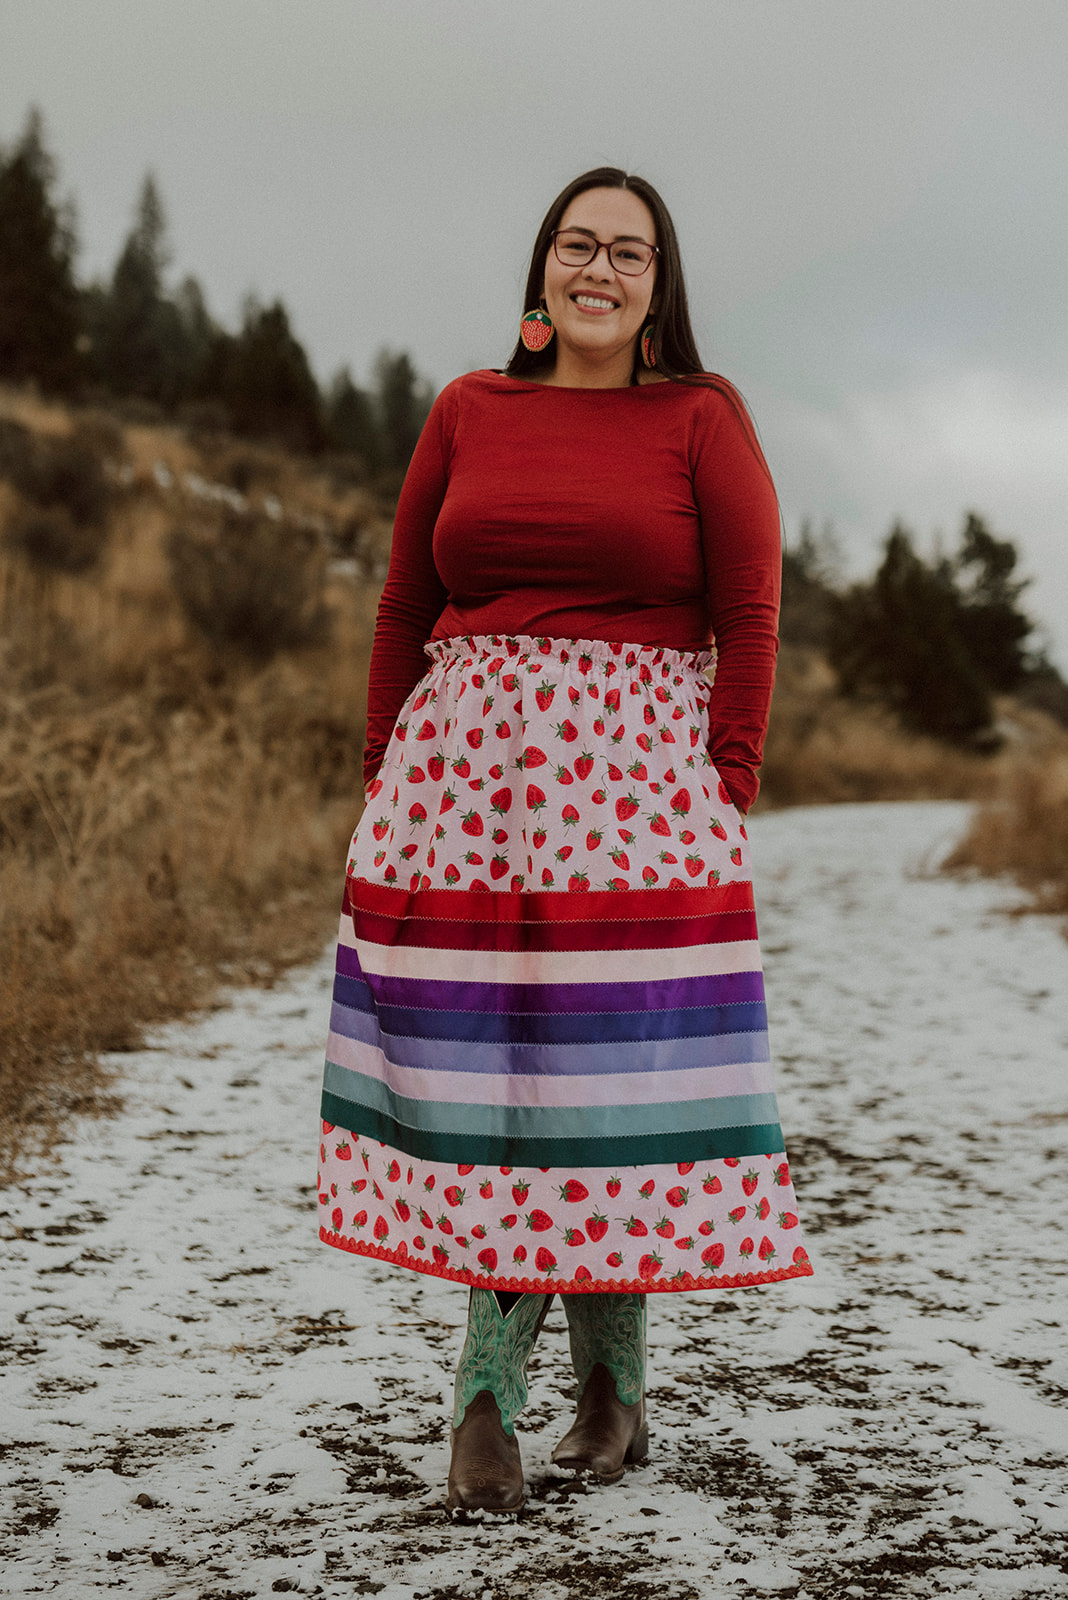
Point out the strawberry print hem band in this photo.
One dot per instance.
(649, 1282)
(718, 1224)
(549, 997)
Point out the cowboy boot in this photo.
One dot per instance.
(486, 1472)
(607, 1336)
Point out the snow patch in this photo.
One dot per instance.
(198, 1400)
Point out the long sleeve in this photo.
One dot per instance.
(641, 515)
(743, 563)
(414, 595)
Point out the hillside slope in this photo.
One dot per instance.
(178, 782)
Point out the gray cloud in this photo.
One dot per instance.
(870, 199)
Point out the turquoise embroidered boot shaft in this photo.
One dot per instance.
(607, 1336)
(486, 1470)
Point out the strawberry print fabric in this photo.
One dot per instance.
(548, 1063)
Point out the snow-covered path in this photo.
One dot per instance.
(198, 1400)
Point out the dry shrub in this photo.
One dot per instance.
(170, 815)
(18, 449)
(51, 539)
(1023, 830)
(823, 749)
(345, 469)
(60, 523)
(251, 584)
(246, 467)
(67, 472)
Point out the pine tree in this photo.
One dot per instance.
(137, 333)
(40, 322)
(264, 379)
(991, 623)
(811, 570)
(898, 638)
(403, 404)
(198, 328)
(350, 421)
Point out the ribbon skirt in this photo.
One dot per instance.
(548, 1064)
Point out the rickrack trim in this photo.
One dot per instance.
(741, 1280)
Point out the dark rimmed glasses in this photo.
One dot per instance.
(574, 248)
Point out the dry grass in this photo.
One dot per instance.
(169, 817)
(1022, 831)
(822, 749)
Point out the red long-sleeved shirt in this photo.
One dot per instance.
(644, 515)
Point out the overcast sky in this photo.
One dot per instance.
(871, 197)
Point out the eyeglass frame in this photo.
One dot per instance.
(603, 244)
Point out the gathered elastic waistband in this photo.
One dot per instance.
(586, 655)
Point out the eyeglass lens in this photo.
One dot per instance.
(629, 256)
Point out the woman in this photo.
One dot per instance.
(548, 1068)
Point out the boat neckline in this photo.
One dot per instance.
(567, 388)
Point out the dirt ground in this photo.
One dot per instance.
(198, 1400)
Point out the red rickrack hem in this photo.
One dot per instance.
(401, 1257)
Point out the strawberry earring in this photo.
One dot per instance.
(536, 329)
(648, 346)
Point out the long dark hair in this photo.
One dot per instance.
(673, 341)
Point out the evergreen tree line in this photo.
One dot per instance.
(935, 640)
(132, 337)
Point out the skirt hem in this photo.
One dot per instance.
(800, 1267)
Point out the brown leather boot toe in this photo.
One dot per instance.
(605, 1434)
(486, 1472)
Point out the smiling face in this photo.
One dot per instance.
(598, 312)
